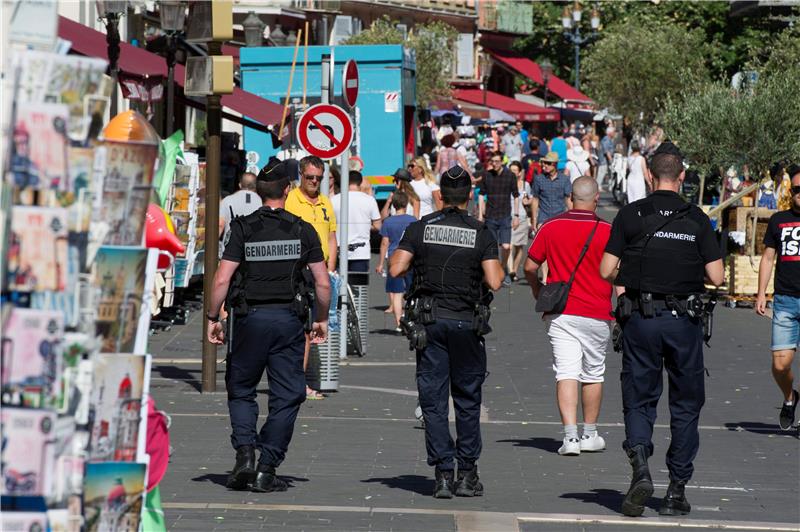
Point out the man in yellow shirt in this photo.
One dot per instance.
(312, 206)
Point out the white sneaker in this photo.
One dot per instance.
(592, 443)
(571, 447)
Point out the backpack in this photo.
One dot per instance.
(534, 169)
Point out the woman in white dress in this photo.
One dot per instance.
(424, 183)
(637, 168)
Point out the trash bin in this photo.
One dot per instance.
(323, 364)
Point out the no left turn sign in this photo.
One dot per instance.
(325, 130)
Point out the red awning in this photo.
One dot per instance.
(519, 110)
(531, 70)
(139, 62)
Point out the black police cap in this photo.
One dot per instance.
(455, 177)
(668, 148)
(274, 170)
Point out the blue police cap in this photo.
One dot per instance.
(274, 170)
(455, 177)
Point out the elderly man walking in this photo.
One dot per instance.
(572, 244)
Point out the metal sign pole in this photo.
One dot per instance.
(325, 70)
(344, 185)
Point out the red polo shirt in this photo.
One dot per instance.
(559, 241)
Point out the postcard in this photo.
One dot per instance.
(37, 251)
(27, 452)
(113, 494)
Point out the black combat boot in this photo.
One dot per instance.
(444, 484)
(468, 483)
(675, 503)
(267, 481)
(641, 484)
(244, 471)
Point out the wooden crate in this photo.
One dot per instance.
(743, 275)
(741, 219)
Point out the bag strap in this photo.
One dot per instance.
(583, 252)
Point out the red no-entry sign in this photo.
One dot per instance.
(350, 83)
(325, 130)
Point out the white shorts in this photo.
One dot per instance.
(579, 347)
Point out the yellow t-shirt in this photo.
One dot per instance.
(319, 214)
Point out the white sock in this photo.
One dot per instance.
(571, 432)
(590, 429)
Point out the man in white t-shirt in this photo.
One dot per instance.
(362, 215)
(241, 203)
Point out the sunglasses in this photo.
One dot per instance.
(313, 177)
(795, 190)
(412, 165)
(548, 163)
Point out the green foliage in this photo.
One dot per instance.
(718, 127)
(780, 55)
(731, 41)
(638, 65)
(432, 43)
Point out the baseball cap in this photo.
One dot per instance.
(402, 174)
(455, 177)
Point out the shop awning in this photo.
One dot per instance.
(556, 86)
(139, 62)
(517, 109)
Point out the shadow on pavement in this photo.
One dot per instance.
(546, 444)
(611, 499)
(415, 483)
(390, 332)
(761, 428)
(221, 480)
(180, 374)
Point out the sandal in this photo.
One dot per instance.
(313, 394)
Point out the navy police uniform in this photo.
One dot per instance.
(448, 248)
(272, 248)
(664, 244)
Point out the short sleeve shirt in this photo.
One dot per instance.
(559, 242)
(362, 211)
(394, 227)
(552, 194)
(320, 215)
(309, 244)
(783, 235)
(240, 203)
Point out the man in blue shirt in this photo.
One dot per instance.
(559, 146)
(551, 191)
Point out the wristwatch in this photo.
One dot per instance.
(213, 319)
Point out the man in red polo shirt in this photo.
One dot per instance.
(580, 334)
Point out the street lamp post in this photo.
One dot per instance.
(571, 19)
(110, 12)
(547, 69)
(173, 16)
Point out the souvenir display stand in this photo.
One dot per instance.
(77, 288)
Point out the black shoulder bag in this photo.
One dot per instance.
(553, 296)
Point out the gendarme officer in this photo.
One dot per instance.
(454, 260)
(269, 265)
(659, 251)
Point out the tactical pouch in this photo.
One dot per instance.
(425, 308)
(237, 300)
(624, 309)
(646, 306)
(480, 321)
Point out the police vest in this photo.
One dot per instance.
(449, 266)
(665, 257)
(273, 255)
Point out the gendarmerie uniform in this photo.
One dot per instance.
(449, 247)
(664, 244)
(272, 247)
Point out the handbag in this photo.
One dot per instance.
(553, 296)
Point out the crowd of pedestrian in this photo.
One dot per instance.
(450, 237)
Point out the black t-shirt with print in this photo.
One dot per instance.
(783, 235)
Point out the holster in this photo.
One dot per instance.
(646, 306)
(304, 300)
(624, 309)
(237, 298)
(483, 313)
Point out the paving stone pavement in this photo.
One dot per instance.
(357, 459)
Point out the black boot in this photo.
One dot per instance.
(267, 481)
(468, 483)
(641, 484)
(675, 503)
(444, 484)
(244, 471)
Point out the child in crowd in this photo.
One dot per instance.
(392, 231)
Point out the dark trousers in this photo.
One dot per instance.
(271, 339)
(650, 344)
(454, 362)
